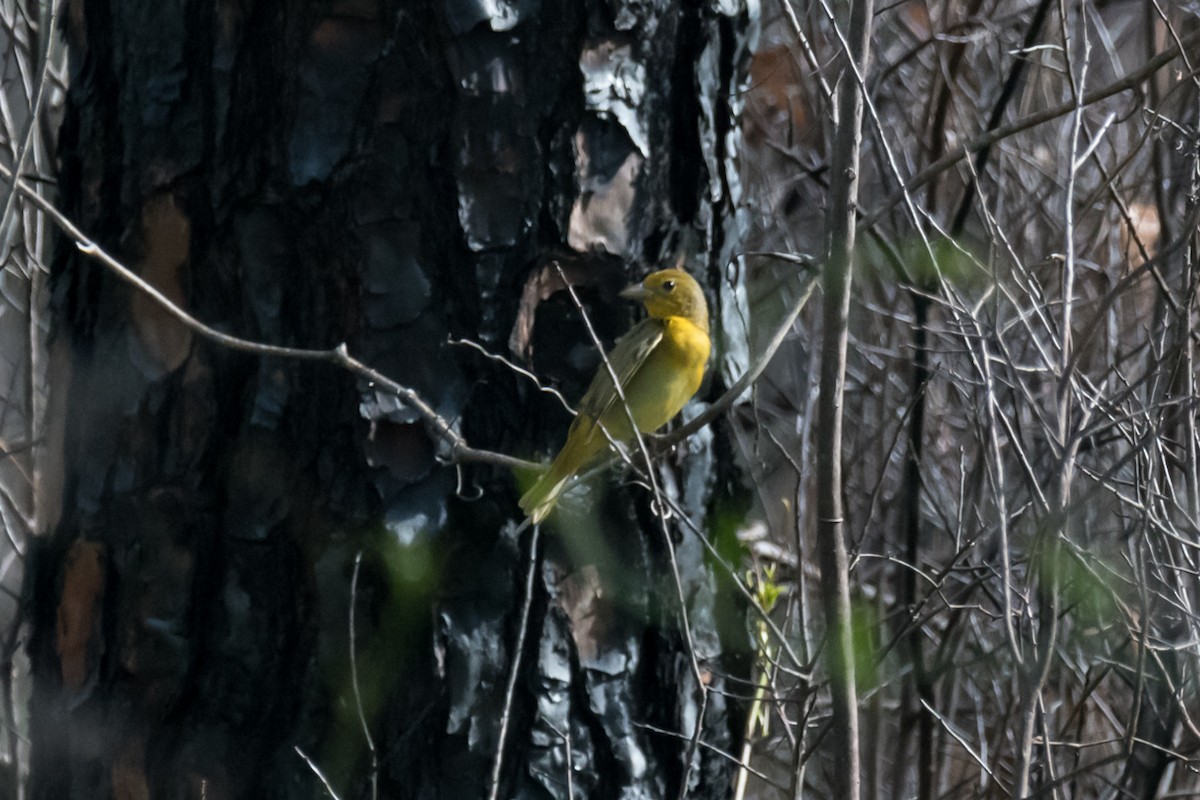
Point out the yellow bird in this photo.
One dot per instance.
(659, 365)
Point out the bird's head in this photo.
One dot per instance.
(671, 293)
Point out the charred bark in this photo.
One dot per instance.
(392, 176)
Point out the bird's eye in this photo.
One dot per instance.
(668, 286)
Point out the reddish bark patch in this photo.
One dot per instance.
(129, 771)
(166, 239)
(79, 611)
(540, 285)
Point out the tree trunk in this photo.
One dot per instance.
(392, 176)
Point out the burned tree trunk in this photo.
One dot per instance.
(398, 177)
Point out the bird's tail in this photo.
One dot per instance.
(584, 443)
(541, 497)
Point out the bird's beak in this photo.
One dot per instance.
(635, 292)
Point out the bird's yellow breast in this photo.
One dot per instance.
(671, 375)
(688, 345)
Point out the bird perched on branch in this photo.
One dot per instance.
(659, 365)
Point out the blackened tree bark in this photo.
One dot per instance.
(392, 175)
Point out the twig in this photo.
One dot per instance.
(524, 373)
(317, 771)
(689, 758)
(616, 383)
(712, 748)
(518, 648)
(751, 601)
(362, 717)
(660, 515)
(836, 277)
(958, 737)
(568, 757)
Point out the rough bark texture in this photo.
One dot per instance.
(390, 175)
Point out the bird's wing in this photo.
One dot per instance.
(627, 357)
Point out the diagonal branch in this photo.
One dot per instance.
(459, 450)
(722, 403)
